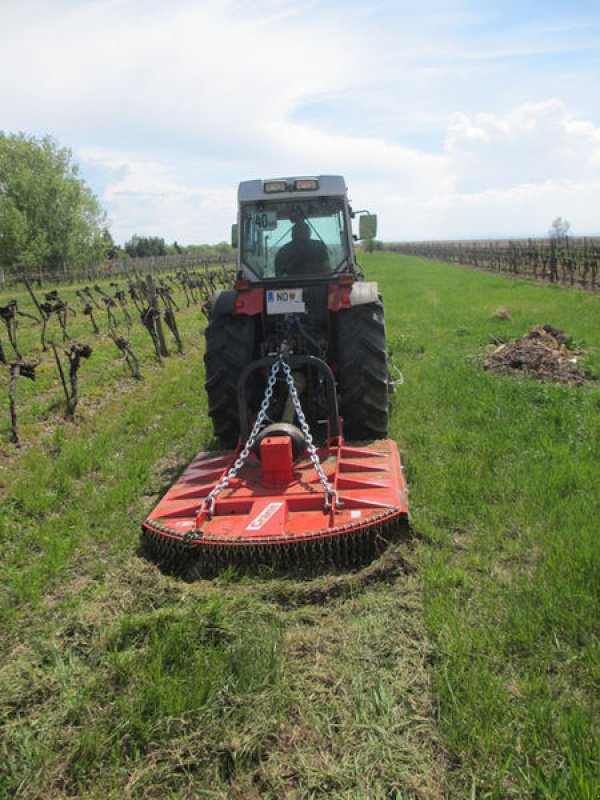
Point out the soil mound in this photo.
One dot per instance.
(544, 353)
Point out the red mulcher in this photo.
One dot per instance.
(297, 376)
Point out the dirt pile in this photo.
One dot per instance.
(545, 353)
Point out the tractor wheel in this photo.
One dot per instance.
(363, 371)
(229, 348)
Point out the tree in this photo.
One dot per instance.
(49, 218)
(370, 245)
(224, 249)
(111, 249)
(143, 246)
(559, 228)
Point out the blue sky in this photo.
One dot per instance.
(460, 119)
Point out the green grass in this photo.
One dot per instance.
(468, 670)
(505, 497)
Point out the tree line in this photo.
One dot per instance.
(50, 219)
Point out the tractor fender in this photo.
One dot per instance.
(223, 303)
(361, 293)
(227, 302)
(364, 292)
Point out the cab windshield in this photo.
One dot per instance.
(288, 238)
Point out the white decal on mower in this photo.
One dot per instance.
(264, 516)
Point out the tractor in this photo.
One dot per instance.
(297, 380)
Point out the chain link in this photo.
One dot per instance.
(208, 504)
(330, 492)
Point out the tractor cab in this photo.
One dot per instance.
(293, 230)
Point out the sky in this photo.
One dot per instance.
(451, 120)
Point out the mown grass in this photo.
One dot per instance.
(471, 673)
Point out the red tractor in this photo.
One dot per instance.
(296, 368)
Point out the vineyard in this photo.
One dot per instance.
(567, 261)
(112, 269)
(49, 335)
(462, 663)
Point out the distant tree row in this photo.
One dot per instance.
(144, 246)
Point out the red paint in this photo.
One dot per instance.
(276, 459)
(338, 297)
(250, 303)
(257, 507)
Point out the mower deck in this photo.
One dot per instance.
(273, 509)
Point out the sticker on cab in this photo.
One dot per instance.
(285, 301)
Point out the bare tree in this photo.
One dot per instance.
(559, 228)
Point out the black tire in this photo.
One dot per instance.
(363, 371)
(229, 348)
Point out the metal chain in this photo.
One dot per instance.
(330, 492)
(208, 504)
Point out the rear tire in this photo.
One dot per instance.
(363, 371)
(229, 348)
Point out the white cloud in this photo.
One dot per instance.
(182, 73)
(504, 176)
(143, 197)
(521, 211)
(432, 118)
(531, 144)
(511, 174)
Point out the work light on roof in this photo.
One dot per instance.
(275, 186)
(306, 184)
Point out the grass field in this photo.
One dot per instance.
(463, 665)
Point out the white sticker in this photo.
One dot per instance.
(264, 516)
(355, 515)
(285, 301)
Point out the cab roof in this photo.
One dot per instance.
(326, 185)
